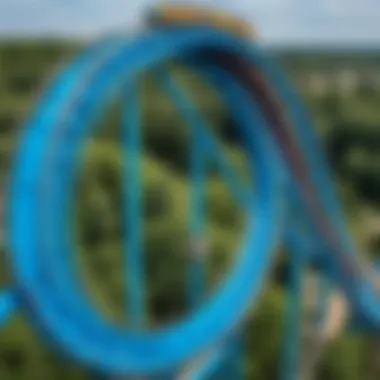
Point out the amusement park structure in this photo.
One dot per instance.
(293, 203)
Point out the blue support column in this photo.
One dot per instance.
(8, 306)
(293, 321)
(205, 144)
(134, 265)
(198, 177)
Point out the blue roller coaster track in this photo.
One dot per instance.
(293, 203)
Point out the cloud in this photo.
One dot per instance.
(276, 20)
(349, 8)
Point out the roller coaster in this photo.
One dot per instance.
(293, 203)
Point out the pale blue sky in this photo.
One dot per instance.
(333, 21)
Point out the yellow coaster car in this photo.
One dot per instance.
(188, 15)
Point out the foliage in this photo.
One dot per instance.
(349, 128)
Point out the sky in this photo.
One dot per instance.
(355, 22)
